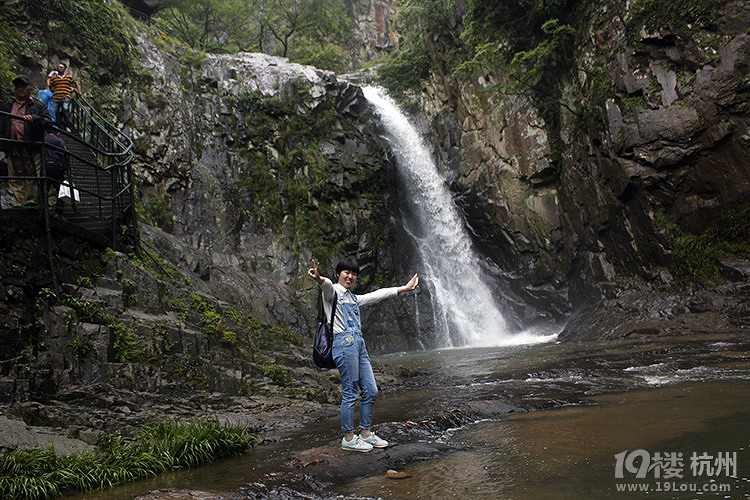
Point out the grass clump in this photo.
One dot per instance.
(278, 374)
(127, 345)
(165, 446)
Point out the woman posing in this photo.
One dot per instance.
(350, 352)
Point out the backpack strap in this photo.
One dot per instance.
(334, 303)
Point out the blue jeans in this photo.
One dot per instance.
(62, 112)
(355, 370)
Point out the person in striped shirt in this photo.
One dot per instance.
(61, 85)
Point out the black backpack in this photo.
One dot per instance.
(323, 345)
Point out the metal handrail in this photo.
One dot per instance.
(111, 150)
(84, 114)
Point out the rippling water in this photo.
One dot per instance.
(581, 405)
(570, 452)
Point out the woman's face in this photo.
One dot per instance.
(347, 279)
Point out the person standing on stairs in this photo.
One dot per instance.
(56, 163)
(29, 121)
(61, 85)
(350, 352)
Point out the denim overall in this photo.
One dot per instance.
(355, 370)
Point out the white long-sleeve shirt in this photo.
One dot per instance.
(346, 296)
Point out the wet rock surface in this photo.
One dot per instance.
(490, 385)
(86, 413)
(176, 494)
(430, 394)
(648, 309)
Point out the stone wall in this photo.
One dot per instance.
(670, 145)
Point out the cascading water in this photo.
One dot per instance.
(465, 308)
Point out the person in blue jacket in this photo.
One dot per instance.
(46, 97)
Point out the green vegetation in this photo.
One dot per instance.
(217, 321)
(284, 179)
(306, 31)
(159, 213)
(192, 371)
(98, 29)
(280, 375)
(422, 22)
(127, 346)
(531, 42)
(157, 266)
(679, 15)
(32, 30)
(85, 282)
(520, 36)
(696, 256)
(406, 69)
(12, 45)
(527, 45)
(80, 347)
(165, 446)
(213, 320)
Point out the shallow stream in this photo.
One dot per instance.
(679, 407)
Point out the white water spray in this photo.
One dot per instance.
(466, 310)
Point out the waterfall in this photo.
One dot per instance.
(465, 308)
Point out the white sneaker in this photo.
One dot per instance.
(375, 441)
(356, 444)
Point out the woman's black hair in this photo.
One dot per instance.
(347, 265)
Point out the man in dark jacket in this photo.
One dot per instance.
(28, 123)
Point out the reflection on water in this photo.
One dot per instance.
(570, 452)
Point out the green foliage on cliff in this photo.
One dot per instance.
(679, 15)
(12, 45)
(277, 186)
(406, 69)
(98, 29)
(34, 30)
(281, 376)
(160, 448)
(697, 256)
(530, 42)
(425, 25)
(526, 45)
(284, 182)
(514, 25)
(127, 346)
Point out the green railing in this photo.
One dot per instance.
(98, 157)
(111, 145)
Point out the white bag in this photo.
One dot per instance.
(64, 192)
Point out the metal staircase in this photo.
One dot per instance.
(98, 157)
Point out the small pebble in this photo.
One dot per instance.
(394, 474)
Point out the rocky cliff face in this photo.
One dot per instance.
(374, 35)
(558, 212)
(249, 165)
(256, 165)
(563, 211)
